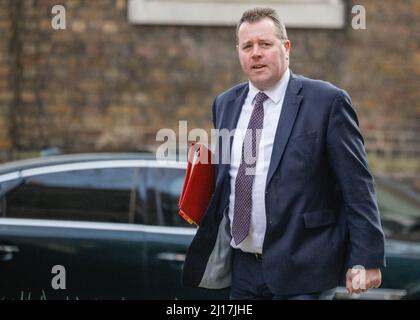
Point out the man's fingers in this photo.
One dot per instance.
(359, 280)
(373, 282)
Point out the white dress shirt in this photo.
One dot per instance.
(272, 109)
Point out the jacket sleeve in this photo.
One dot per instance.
(348, 160)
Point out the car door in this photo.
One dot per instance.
(399, 208)
(168, 236)
(78, 221)
(400, 213)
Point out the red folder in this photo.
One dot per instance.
(198, 184)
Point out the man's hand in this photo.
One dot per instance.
(360, 280)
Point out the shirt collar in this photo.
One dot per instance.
(276, 92)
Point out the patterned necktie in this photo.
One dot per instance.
(246, 172)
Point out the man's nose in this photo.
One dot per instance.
(256, 51)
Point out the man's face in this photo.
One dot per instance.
(263, 56)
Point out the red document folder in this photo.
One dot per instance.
(198, 184)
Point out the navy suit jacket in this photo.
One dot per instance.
(322, 214)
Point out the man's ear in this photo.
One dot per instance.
(287, 45)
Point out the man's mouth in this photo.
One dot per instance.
(258, 66)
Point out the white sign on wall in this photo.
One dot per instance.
(294, 13)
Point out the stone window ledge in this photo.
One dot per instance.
(329, 14)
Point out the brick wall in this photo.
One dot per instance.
(382, 73)
(5, 71)
(104, 84)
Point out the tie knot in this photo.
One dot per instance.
(260, 98)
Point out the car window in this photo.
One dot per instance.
(158, 194)
(5, 187)
(400, 213)
(85, 195)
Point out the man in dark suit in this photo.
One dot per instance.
(294, 211)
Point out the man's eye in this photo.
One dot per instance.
(247, 46)
(266, 44)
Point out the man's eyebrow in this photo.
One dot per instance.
(245, 42)
(259, 41)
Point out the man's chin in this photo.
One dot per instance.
(260, 84)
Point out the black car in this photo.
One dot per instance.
(106, 226)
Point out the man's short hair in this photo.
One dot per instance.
(257, 14)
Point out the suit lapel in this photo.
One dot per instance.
(290, 108)
(235, 108)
